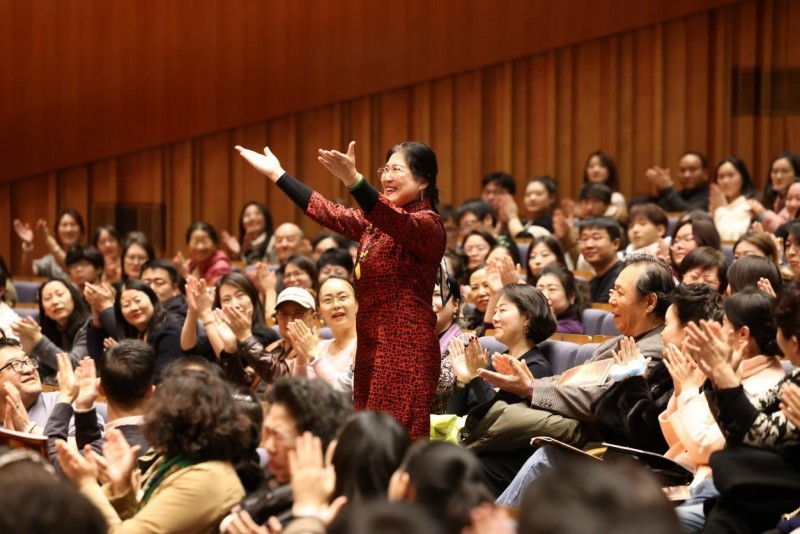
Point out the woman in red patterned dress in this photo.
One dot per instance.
(401, 242)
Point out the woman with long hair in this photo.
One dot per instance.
(61, 328)
(729, 196)
(255, 234)
(398, 361)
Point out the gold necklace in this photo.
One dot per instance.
(364, 251)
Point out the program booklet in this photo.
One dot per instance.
(588, 374)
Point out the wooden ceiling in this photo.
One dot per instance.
(82, 80)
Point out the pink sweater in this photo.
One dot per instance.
(690, 428)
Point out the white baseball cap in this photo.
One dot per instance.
(298, 295)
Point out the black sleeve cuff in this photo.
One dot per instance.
(366, 196)
(733, 411)
(298, 192)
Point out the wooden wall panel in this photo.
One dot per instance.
(84, 80)
(643, 95)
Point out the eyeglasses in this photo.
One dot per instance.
(683, 239)
(391, 170)
(18, 366)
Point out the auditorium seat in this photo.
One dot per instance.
(26, 290)
(560, 354)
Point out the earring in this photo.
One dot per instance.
(526, 330)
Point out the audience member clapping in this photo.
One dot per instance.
(69, 230)
(205, 261)
(255, 234)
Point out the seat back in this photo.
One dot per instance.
(26, 290)
(325, 333)
(727, 249)
(560, 354)
(27, 310)
(20, 440)
(609, 328)
(489, 342)
(593, 321)
(585, 352)
(578, 339)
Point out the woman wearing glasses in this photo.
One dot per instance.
(401, 242)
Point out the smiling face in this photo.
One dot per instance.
(537, 199)
(630, 310)
(108, 245)
(597, 247)
(793, 200)
(551, 288)
(539, 257)
(399, 185)
(699, 275)
(729, 180)
(477, 249)
(136, 308)
(691, 172)
(781, 175)
(337, 304)
(135, 257)
(231, 296)
(253, 220)
(643, 232)
(683, 243)
(294, 276)
(288, 238)
(201, 246)
(596, 171)
(479, 290)
(509, 324)
(161, 284)
(57, 302)
(27, 382)
(68, 231)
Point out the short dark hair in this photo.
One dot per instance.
(341, 241)
(706, 258)
(583, 495)
(747, 183)
(158, 263)
(608, 163)
(202, 226)
(399, 517)
(480, 208)
(698, 155)
(448, 481)
(6, 341)
(753, 308)
(422, 162)
(373, 439)
(533, 304)
(193, 414)
(314, 405)
(336, 256)
(78, 253)
(501, 179)
(610, 225)
(127, 369)
(652, 212)
(656, 279)
(786, 316)
(547, 181)
(595, 191)
(746, 271)
(696, 302)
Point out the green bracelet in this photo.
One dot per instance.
(358, 183)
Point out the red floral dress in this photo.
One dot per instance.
(398, 360)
